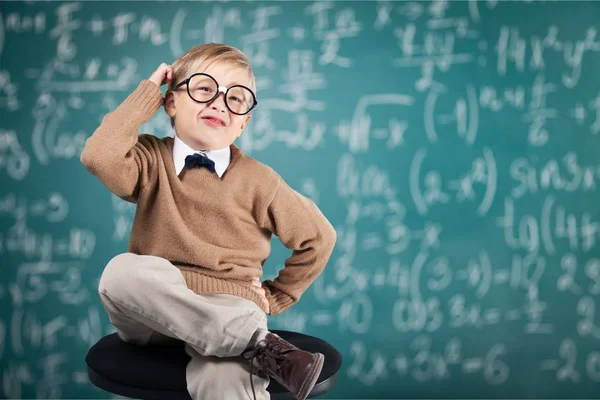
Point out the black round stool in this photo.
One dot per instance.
(157, 372)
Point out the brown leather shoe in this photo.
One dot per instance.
(296, 370)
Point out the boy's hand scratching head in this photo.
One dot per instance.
(162, 75)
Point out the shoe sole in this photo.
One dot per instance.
(309, 383)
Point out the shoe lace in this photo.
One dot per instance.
(267, 357)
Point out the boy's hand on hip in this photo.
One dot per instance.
(257, 287)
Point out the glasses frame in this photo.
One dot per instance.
(220, 89)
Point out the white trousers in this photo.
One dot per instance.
(148, 301)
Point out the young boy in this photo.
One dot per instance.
(201, 234)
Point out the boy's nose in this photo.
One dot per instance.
(218, 103)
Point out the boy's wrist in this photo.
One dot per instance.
(156, 83)
(146, 99)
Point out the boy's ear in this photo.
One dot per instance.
(169, 104)
(246, 119)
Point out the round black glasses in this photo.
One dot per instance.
(203, 88)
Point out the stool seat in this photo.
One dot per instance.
(158, 371)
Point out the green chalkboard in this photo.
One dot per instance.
(453, 145)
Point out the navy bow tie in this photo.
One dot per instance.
(199, 160)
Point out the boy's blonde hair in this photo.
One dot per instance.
(202, 56)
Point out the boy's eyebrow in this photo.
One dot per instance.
(234, 84)
(229, 85)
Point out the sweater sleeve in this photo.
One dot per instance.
(302, 228)
(115, 153)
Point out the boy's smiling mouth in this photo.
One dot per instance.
(212, 120)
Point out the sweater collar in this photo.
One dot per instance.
(181, 150)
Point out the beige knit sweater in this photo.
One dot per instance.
(217, 231)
